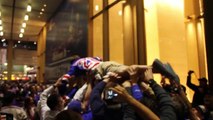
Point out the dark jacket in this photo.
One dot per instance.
(199, 92)
(165, 104)
(99, 107)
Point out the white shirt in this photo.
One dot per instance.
(44, 111)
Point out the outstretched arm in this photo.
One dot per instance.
(97, 105)
(189, 83)
(42, 104)
(143, 111)
(167, 111)
(88, 91)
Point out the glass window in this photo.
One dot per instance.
(116, 32)
(97, 6)
(98, 36)
(111, 1)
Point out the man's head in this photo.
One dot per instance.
(203, 82)
(55, 102)
(68, 115)
(8, 98)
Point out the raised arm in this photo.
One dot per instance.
(143, 111)
(189, 83)
(167, 111)
(42, 103)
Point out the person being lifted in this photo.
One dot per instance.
(99, 68)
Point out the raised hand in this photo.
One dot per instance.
(111, 76)
(190, 72)
(148, 75)
(123, 95)
(58, 82)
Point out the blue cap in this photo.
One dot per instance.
(87, 116)
(75, 106)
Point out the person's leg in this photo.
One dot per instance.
(85, 102)
(122, 70)
(110, 66)
(139, 69)
(127, 71)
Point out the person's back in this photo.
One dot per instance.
(49, 104)
(18, 112)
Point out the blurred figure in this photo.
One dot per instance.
(99, 105)
(199, 91)
(208, 103)
(50, 104)
(99, 68)
(30, 108)
(68, 115)
(201, 112)
(8, 107)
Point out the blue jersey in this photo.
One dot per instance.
(82, 65)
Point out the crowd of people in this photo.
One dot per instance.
(104, 90)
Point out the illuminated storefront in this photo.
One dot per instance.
(138, 31)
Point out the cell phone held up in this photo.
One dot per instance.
(109, 94)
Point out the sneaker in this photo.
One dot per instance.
(165, 69)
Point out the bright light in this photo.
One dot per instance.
(42, 9)
(96, 7)
(177, 4)
(3, 40)
(22, 30)
(35, 43)
(5, 72)
(1, 27)
(19, 41)
(120, 12)
(123, 1)
(41, 13)
(45, 5)
(1, 33)
(0, 21)
(148, 5)
(20, 35)
(24, 25)
(12, 78)
(26, 17)
(5, 64)
(29, 8)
